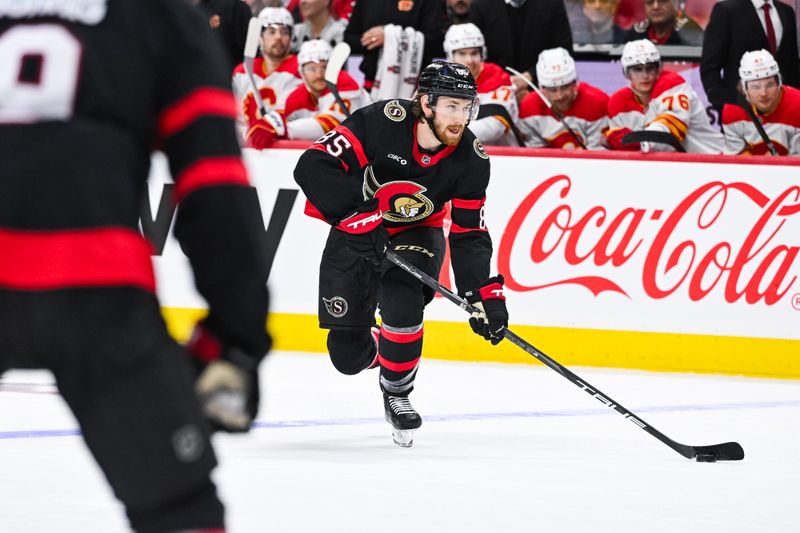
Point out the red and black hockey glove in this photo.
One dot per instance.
(491, 320)
(364, 232)
(260, 134)
(614, 140)
(227, 381)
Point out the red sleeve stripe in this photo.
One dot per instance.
(357, 147)
(323, 150)
(313, 212)
(49, 260)
(209, 172)
(468, 204)
(200, 103)
(455, 228)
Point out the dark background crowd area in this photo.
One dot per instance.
(706, 32)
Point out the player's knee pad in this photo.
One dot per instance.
(199, 509)
(351, 351)
(401, 299)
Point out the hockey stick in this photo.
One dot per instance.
(338, 57)
(728, 451)
(732, 96)
(653, 137)
(250, 50)
(549, 105)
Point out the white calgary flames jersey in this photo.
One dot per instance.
(496, 94)
(310, 118)
(587, 118)
(674, 108)
(782, 127)
(274, 87)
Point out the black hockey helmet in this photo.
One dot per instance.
(441, 78)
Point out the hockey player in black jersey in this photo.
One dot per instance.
(88, 88)
(382, 179)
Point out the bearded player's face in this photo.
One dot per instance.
(451, 118)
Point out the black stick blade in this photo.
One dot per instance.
(728, 451)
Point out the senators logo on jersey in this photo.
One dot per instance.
(400, 201)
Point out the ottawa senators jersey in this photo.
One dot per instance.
(498, 109)
(375, 154)
(309, 117)
(587, 118)
(77, 126)
(782, 127)
(275, 87)
(674, 108)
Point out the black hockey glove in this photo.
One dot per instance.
(364, 232)
(226, 383)
(492, 319)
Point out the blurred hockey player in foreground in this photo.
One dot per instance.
(776, 105)
(658, 100)
(580, 105)
(464, 44)
(381, 179)
(77, 288)
(311, 109)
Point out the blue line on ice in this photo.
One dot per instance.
(279, 424)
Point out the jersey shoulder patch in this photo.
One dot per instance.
(477, 145)
(394, 111)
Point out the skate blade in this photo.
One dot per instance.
(403, 437)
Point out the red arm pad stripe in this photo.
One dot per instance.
(209, 172)
(455, 228)
(202, 102)
(357, 147)
(468, 204)
(46, 260)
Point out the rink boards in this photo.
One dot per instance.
(670, 262)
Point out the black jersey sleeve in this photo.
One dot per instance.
(470, 243)
(218, 222)
(330, 172)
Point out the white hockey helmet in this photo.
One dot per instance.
(460, 36)
(276, 16)
(315, 50)
(758, 65)
(555, 68)
(641, 52)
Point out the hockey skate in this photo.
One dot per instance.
(403, 418)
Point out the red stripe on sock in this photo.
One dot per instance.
(397, 367)
(402, 338)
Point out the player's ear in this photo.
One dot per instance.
(424, 102)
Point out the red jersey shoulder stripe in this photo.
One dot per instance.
(202, 102)
(623, 101)
(666, 81)
(492, 77)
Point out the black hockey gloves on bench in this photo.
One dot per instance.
(227, 381)
(364, 232)
(492, 320)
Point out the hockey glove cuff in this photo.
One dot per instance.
(227, 381)
(491, 320)
(364, 232)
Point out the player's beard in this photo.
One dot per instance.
(448, 137)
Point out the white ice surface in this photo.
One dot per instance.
(503, 448)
